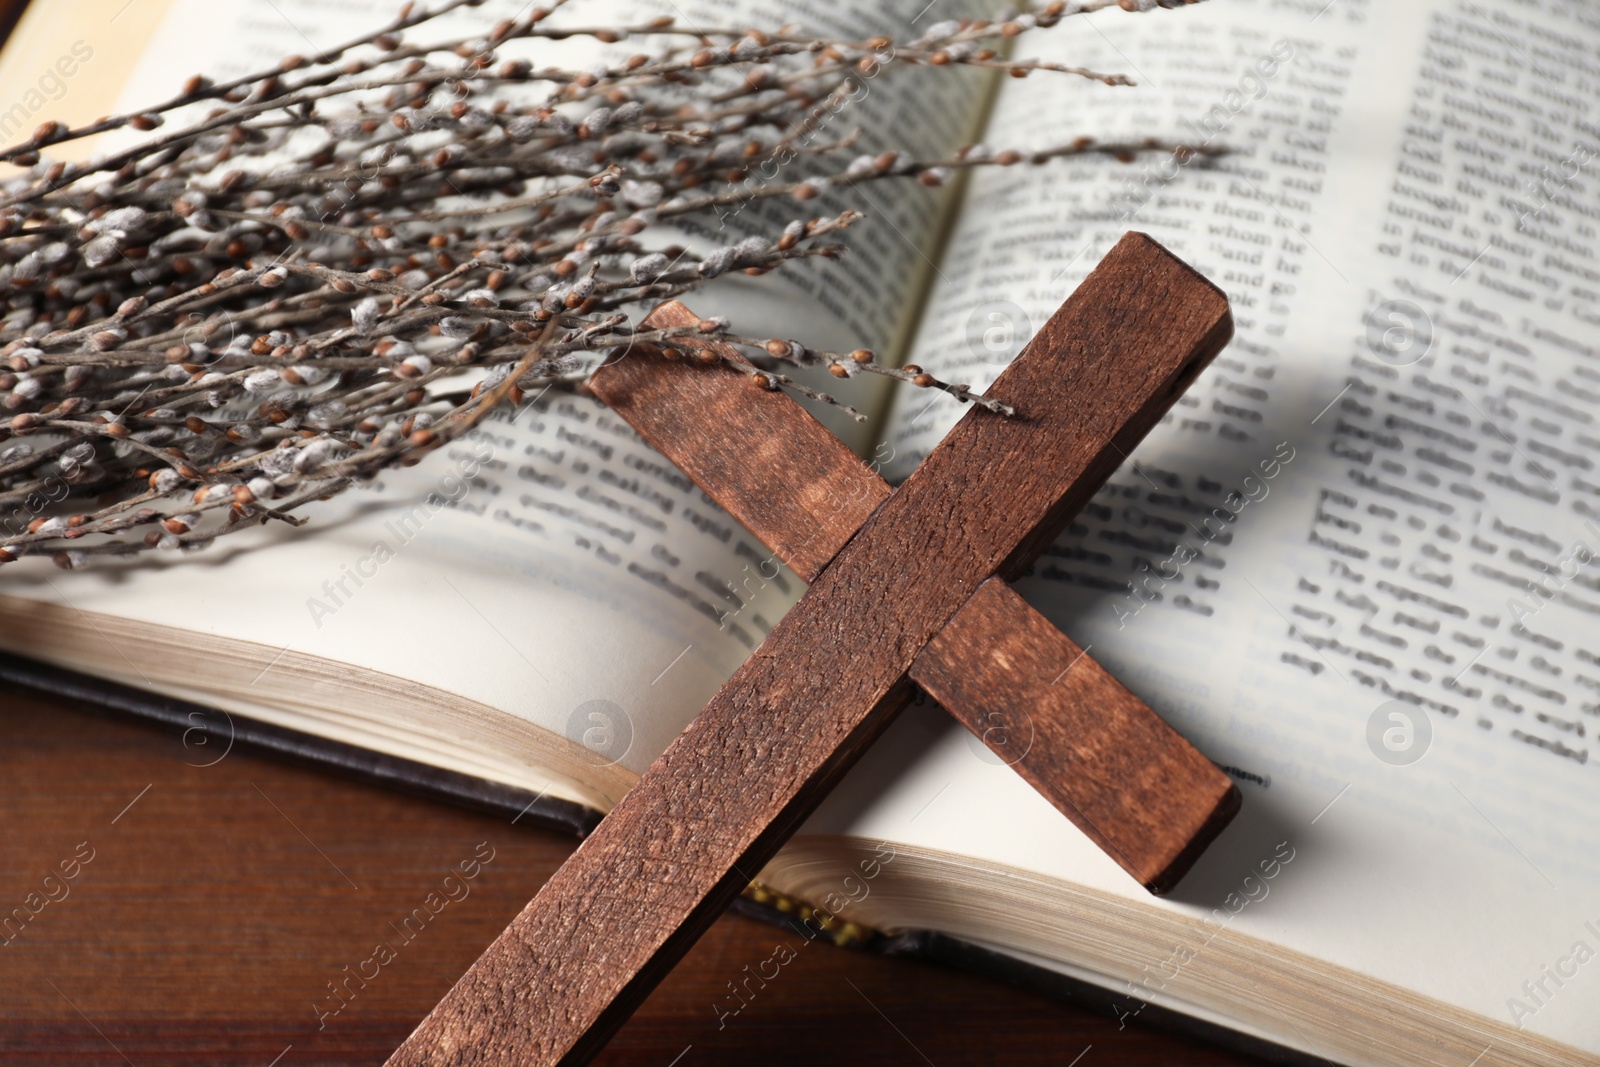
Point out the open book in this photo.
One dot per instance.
(1355, 566)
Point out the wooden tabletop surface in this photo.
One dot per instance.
(219, 903)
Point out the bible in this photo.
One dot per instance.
(1354, 565)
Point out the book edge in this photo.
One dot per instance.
(89, 693)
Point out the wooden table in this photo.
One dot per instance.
(221, 901)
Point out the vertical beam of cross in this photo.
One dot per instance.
(715, 807)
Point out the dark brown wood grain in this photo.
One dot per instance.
(206, 929)
(717, 804)
(1096, 751)
(759, 454)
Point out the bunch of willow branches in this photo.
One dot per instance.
(299, 278)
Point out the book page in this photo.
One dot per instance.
(551, 565)
(68, 62)
(1356, 563)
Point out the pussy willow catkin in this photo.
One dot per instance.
(296, 279)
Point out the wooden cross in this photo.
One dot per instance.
(907, 587)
